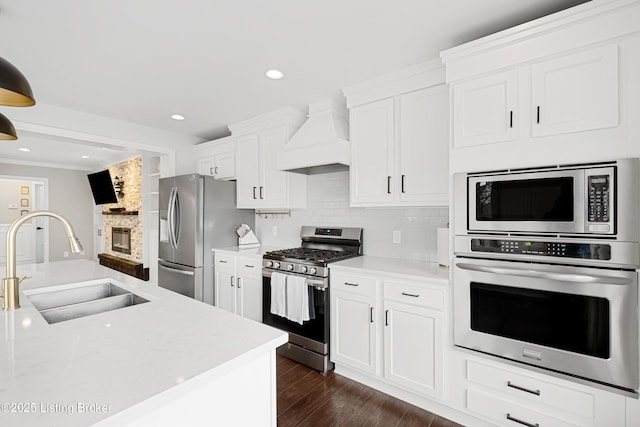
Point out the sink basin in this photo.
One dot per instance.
(71, 303)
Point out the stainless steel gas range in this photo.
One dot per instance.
(306, 265)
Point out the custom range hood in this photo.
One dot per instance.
(321, 145)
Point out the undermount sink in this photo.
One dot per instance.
(71, 303)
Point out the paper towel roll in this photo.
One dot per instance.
(443, 247)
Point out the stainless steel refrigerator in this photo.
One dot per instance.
(197, 213)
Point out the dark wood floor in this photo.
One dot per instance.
(306, 398)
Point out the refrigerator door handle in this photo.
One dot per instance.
(176, 225)
(175, 270)
(170, 217)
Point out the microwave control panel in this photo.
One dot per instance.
(552, 249)
(599, 198)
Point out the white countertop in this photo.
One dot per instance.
(258, 251)
(126, 361)
(410, 269)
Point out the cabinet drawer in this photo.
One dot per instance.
(224, 260)
(353, 283)
(532, 389)
(249, 266)
(416, 295)
(507, 413)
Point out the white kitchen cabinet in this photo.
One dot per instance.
(400, 150)
(483, 110)
(217, 158)
(259, 183)
(507, 395)
(390, 328)
(573, 93)
(238, 285)
(354, 327)
(576, 92)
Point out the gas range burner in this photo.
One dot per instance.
(320, 256)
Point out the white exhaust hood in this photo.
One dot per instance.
(321, 145)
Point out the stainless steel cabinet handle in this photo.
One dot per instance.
(254, 192)
(517, 387)
(239, 281)
(388, 185)
(386, 318)
(410, 295)
(261, 188)
(538, 115)
(222, 261)
(175, 270)
(232, 277)
(511, 118)
(216, 170)
(249, 266)
(210, 171)
(371, 314)
(402, 183)
(524, 423)
(513, 271)
(351, 284)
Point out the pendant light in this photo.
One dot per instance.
(15, 90)
(7, 131)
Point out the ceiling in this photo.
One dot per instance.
(141, 61)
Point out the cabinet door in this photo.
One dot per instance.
(575, 93)
(424, 147)
(247, 185)
(372, 153)
(484, 110)
(225, 165)
(273, 187)
(249, 303)
(206, 166)
(413, 347)
(353, 331)
(226, 290)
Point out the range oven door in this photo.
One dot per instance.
(309, 342)
(575, 320)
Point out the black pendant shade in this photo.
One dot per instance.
(15, 90)
(7, 131)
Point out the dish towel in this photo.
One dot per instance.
(297, 299)
(278, 294)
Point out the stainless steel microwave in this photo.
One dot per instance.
(587, 200)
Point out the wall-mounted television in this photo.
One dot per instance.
(102, 187)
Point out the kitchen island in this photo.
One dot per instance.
(170, 361)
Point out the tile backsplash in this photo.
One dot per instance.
(328, 205)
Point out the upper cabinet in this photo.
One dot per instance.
(217, 158)
(399, 131)
(259, 184)
(556, 90)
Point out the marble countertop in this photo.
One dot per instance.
(409, 269)
(257, 251)
(115, 366)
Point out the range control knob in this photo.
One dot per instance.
(314, 270)
(269, 263)
(303, 269)
(276, 264)
(290, 267)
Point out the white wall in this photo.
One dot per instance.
(328, 205)
(70, 196)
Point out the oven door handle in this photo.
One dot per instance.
(527, 272)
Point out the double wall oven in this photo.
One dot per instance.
(545, 269)
(309, 340)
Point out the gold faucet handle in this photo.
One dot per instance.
(20, 279)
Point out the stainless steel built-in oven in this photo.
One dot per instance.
(545, 269)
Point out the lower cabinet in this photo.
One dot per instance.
(389, 328)
(510, 396)
(238, 284)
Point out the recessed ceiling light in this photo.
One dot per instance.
(274, 74)
(177, 117)
(26, 150)
(85, 157)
